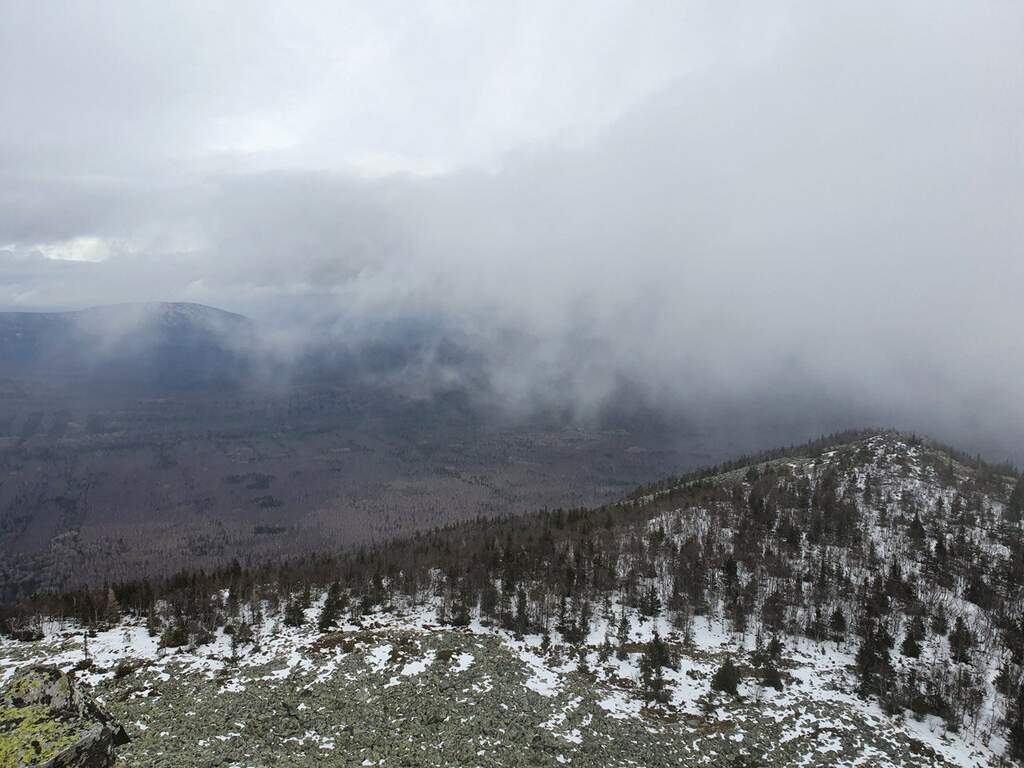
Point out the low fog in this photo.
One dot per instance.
(813, 212)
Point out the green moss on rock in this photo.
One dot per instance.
(33, 734)
(46, 721)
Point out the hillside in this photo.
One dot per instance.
(854, 601)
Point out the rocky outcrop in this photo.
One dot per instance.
(47, 722)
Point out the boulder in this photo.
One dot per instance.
(46, 721)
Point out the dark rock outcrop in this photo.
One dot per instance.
(47, 722)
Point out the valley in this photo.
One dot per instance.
(94, 488)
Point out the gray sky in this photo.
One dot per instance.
(712, 198)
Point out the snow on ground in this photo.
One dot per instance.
(462, 662)
(816, 672)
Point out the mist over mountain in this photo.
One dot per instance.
(752, 209)
(145, 348)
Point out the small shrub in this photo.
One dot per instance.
(174, 637)
(771, 677)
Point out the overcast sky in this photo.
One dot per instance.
(727, 197)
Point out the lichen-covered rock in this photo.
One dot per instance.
(47, 722)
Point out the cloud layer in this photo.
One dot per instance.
(708, 206)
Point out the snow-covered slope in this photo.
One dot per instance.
(533, 642)
(397, 687)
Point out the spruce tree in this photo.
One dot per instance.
(960, 641)
(623, 636)
(653, 680)
(918, 628)
(940, 624)
(242, 634)
(917, 532)
(726, 678)
(873, 666)
(1016, 505)
(489, 599)
(522, 620)
(1015, 727)
(294, 616)
(910, 646)
(459, 611)
(657, 653)
(586, 614)
(650, 603)
(837, 624)
(770, 677)
(152, 623)
(329, 612)
(816, 626)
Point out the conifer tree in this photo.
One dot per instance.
(917, 532)
(910, 646)
(294, 616)
(623, 636)
(522, 620)
(960, 641)
(1016, 505)
(586, 613)
(837, 624)
(765, 659)
(1015, 726)
(940, 624)
(489, 599)
(174, 636)
(918, 628)
(650, 603)
(727, 677)
(152, 623)
(653, 681)
(873, 666)
(329, 612)
(657, 653)
(243, 634)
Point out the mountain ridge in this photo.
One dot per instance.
(881, 575)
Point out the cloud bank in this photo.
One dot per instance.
(702, 206)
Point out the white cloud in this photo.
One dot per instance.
(91, 249)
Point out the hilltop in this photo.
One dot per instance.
(855, 600)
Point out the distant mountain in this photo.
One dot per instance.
(155, 345)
